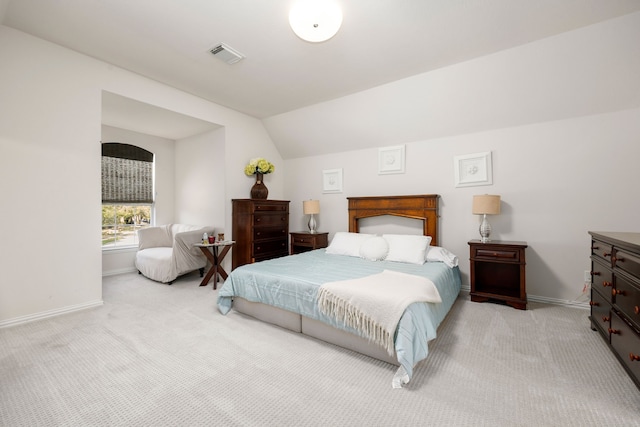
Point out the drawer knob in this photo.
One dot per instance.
(636, 309)
(634, 357)
(606, 283)
(606, 254)
(605, 318)
(616, 259)
(258, 219)
(595, 273)
(615, 292)
(614, 331)
(594, 304)
(593, 248)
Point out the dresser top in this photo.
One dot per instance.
(618, 238)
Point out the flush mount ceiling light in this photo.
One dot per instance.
(315, 20)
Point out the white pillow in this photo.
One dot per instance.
(436, 253)
(344, 243)
(374, 249)
(407, 248)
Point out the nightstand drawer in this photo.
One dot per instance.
(270, 207)
(302, 241)
(498, 254)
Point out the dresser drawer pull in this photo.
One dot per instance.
(594, 304)
(615, 292)
(593, 248)
(605, 283)
(636, 309)
(606, 254)
(616, 259)
(614, 331)
(595, 273)
(258, 219)
(634, 357)
(605, 318)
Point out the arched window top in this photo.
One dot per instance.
(126, 151)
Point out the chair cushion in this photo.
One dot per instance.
(156, 264)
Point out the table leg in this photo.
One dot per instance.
(210, 256)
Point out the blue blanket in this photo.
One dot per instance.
(292, 283)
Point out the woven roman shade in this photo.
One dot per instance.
(127, 174)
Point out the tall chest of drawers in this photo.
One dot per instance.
(260, 229)
(615, 295)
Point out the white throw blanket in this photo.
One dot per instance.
(373, 305)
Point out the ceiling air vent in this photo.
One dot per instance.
(227, 54)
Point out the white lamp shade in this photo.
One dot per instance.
(315, 20)
(486, 204)
(311, 207)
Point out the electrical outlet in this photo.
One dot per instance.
(587, 276)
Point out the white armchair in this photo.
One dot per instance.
(167, 251)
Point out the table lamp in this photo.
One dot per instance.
(484, 205)
(311, 207)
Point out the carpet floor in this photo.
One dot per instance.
(158, 355)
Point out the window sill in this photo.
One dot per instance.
(120, 249)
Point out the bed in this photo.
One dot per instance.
(284, 291)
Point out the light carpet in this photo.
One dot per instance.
(159, 355)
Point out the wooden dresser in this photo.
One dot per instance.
(260, 229)
(615, 295)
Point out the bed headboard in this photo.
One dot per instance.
(423, 207)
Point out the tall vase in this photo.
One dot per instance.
(259, 190)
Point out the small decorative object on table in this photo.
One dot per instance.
(259, 167)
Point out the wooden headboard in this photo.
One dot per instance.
(423, 207)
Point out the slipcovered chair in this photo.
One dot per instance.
(168, 251)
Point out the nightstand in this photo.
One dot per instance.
(498, 272)
(303, 241)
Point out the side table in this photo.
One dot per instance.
(215, 259)
(498, 272)
(303, 241)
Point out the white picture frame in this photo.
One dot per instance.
(473, 169)
(391, 160)
(332, 181)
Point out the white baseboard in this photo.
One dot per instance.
(49, 313)
(545, 300)
(121, 271)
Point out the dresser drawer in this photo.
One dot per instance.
(269, 246)
(271, 207)
(602, 278)
(627, 262)
(627, 298)
(496, 254)
(626, 343)
(601, 250)
(600, 313)
(260, 233)
(267, 219)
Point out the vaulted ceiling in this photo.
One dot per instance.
(380, 41)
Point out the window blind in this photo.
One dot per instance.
(127, 174)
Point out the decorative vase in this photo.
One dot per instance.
(259, 190)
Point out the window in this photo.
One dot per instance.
(127, 193)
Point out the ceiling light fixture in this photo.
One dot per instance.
(315, 20)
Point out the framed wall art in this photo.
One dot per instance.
(391, 160)
(473, 169)
(332, 181)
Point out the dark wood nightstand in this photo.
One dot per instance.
(498, 272)
(303, 241)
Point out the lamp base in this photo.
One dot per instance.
(312, 224)
(485, 230)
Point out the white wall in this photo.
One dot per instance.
(558, 180)
(50, 128)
